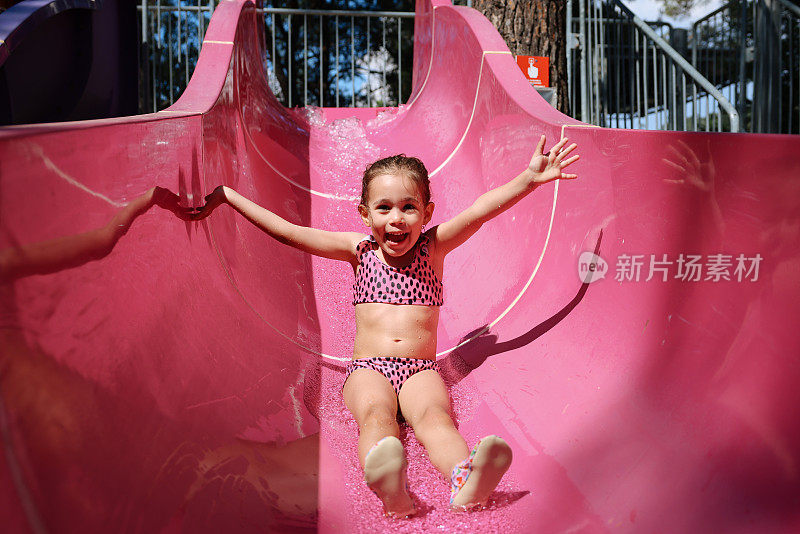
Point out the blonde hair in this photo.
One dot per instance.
(410, 167)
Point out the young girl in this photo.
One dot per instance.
(398, 291)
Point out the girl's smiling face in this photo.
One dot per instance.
(396, 212)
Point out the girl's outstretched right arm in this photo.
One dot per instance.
(333, 245)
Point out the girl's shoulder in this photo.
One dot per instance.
(430, 238)
(364, 243)
(433, 249)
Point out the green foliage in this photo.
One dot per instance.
(680, 8)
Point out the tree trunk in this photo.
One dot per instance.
(534, 28)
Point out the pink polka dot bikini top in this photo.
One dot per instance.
(415, 283)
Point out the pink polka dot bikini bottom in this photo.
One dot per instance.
(397, 370)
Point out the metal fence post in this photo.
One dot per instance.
(766, 67)
(584, 67)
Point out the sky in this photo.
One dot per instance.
(648, 10)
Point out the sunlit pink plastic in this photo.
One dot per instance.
(164, 376)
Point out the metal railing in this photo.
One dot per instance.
(334, 58)
(750, 49)
(314, 57)
(624, 74)
(170, 36)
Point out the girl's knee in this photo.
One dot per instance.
(434, 417)
(379, 417)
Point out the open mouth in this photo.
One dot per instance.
(396, 238)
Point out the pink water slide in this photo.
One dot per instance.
(632, 334)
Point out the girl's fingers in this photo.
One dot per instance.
(570, 161)
(559, 146)
(568, 176)
(563, 153)
(539, 146)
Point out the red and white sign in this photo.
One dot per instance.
(536, 69)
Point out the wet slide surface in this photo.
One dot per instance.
(158, 375)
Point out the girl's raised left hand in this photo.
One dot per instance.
(547, 167)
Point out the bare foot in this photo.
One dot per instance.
(491, 460)
(385, 473)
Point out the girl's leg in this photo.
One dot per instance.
(425, 404)
(372, 400)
